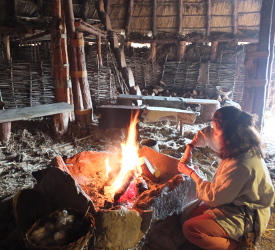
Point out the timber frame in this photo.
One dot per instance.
(69, 25)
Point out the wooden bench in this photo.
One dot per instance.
(208, 106)
(118, 116)
(26, 113)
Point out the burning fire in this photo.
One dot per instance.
(130, 160)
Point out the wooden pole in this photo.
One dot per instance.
(271, 61)
(208, 21)
(154, 18)
(181, 45)
(100, 63)
(180, 12)
(259, 101)
(60, 66)
(82, 26)
(129, 17)
(235, 17)
(181, 48)
(78, 72)
(250, 74)
(153, 52)
(69, 19)
(87, 113)
(5, 127)
(7, 47)
(214, 49)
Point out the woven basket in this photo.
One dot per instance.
(77, 239)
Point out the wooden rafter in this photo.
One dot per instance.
(36, 36)
(190, 39)
(80, 25)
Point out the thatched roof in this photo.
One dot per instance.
(165, 18)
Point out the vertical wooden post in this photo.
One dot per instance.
(154, 18)
(250, 73)
(214, 49)
(180, 12)
(86, 115)
(235, 17)
(129, 17)
(181, 45)
(7, 48)
(100, 63)
(81, 91)
(262, 63)
(60, 66)
(181, 48)
(5, 128)
(271, 61)
(208, 20)
(153, 52)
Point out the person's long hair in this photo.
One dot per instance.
(238, 133)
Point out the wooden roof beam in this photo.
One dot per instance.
(80, 25)
(195, 40)
(36, 36)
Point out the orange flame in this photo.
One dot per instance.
(130, 159)
(108, 168)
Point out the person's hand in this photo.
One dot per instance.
(183, 168)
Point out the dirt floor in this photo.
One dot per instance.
(32, 147)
